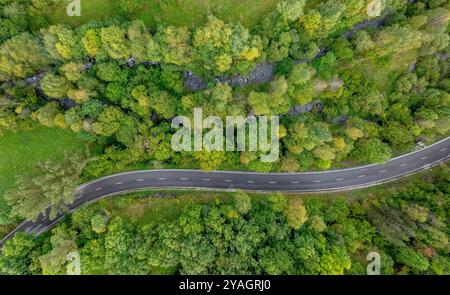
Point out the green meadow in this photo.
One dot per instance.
(173, 12)
(20, 151)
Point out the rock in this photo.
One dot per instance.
(131, 62)
(88, 66)
(303, 108)
(67, 103)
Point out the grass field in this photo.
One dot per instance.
(20, 151)
(382, 74)
(172, 12)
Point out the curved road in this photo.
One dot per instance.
(324, 181)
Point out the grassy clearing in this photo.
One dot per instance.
(384, 74)
(20, 151)
(155, 207)
(95, 10)
(173, 12)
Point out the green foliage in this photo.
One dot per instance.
(99, 223)
(55, 86)
(62, 243)
(163, 103)
(47, 114)
(123, 80)
(108, 121)
(415, 261)
(73, 71)
(20, 152)
(213, 238)
(114, 41)
(296, 214)
(210, 161)
(15, 255)
(222, 46)
(16, 60)
(111, 72)
(337, 86)
(129, 7)
(242, 202)
(371, 150)
(61, 43)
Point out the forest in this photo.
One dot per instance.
(117, 83)
(349, 88)
(407, 224)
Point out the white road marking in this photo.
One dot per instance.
(119, 183)
(272, 182)
(79, 197)
(339, 179)
(294, 182)
(250, 181)
(183, 178)
(162, 178)
(361, 176)
(140, 179)
(444, 149)
(205, 179)
(423, 158)
(99, 188)
(316, 181)
(382, 171)
(403, 165)
(228, 180)
(39, 232)
(37, 227)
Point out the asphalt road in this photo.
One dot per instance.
(324, 181)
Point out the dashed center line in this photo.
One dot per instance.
(316, 181)
(444, 149)
(39, 232)
(272, 182)
(119, 183)
(403, 165)
(339, 179)
(140, 180)
(79, 197)
(206, 179)
(99, 188)
(184, 178)
(228, 180)
(361, 176)
(423, 158)
(294, 182)
(162, 178)
(250, 181)
(382, 171)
